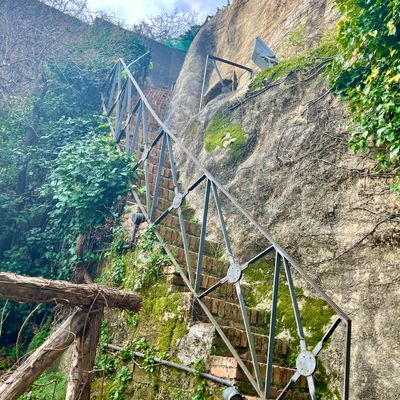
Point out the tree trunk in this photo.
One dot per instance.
(25, 289)
(81, 371)
(31, 137)
(22, 378)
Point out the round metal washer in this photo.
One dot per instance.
(234, 273)
(177, 202)
(306, 363)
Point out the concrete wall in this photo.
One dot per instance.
(167, 64)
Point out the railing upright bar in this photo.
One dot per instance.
(136, 128)
(199, 269)
(222, 223)
(180, 214)
(204, 83)
(121, 107)
(346, 383)
(117, 108)
(146, 162)
(158, 178)
(249, 334)
(113, 86)
(128, 109)
(295, 305)
(272, 326)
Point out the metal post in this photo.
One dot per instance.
(346, 384)
(272, 326)
(204, 84)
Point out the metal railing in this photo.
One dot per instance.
(128, 111)
(213, 59)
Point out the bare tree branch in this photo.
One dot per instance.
(167, 25)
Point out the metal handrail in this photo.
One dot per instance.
(121, 99)
(223, 60)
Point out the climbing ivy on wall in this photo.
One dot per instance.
(60, 173)
(367, 74)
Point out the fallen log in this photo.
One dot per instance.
(24, 289)
(22, 378)
(83, 358)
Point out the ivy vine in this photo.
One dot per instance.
(367, 74)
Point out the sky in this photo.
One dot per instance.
(131, 11)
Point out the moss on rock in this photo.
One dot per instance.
(301, 63)
(220, 132)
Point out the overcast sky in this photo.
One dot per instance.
(133, 10)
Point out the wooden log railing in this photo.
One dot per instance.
(24, 289)
(82, 328)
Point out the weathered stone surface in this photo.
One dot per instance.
(296, 176)
(231, 34)
(325, 206)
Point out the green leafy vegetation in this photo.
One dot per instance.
(367, 74)
(61, 176)
(220, 132)
(50, 386)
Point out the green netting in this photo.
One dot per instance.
(178, 44)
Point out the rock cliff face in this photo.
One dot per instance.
(231, 34)
(295, 175)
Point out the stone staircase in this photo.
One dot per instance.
(222, 302)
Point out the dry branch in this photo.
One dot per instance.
(25, 289)
(23, 377)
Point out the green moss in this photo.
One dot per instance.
(315, 313)
(160, 309)
(321, 379)
(161, 322)
(220, 132)
(300, 63)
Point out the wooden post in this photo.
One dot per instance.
(22, 378)
(81, 371)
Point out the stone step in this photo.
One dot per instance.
(229, 314)
(174, 237)
(211, 265)
(239, 340)
(228, 368)
(226, 291)
(165, 183)
(172, 221)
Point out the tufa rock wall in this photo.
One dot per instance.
(296, 176)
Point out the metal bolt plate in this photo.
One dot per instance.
(177, 202)
(234, 273)
(306, 363)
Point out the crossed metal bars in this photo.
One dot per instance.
(213, 59)
(128, 110)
